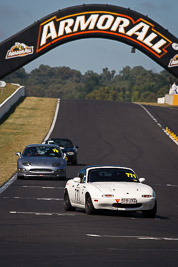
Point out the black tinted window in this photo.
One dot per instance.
(63, 143)
(42, 151)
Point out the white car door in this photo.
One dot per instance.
(73, 192)
(78, 192)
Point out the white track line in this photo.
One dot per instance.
(40, 213)
(167, 185)
(42, 187)
(145, 250)
(54, 121)
(6, 185)
(159, 125)
(135, 237)
(33, 198)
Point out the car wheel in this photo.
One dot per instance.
(74, 162)
(67, 203)
(150, 213)
(62, 178)
(19, 177)
(89, 208)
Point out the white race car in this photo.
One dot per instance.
(110, 188)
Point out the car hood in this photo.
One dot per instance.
(40, 160)
(122, 187)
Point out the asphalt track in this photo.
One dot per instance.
(36, 231)
(167, 116)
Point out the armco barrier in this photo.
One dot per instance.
(11, 100)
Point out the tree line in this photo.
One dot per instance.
(130, 84)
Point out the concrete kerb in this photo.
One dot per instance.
(53, 123)
(8, 183)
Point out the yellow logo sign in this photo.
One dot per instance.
(19, 50)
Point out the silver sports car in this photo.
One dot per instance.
(40, 160)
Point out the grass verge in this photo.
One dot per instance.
(29, 124)
(8, 90)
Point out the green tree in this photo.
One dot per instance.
(147, 97)
(130, 84)
(104, 93)
(20, 76)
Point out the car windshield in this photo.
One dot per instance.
(63, 143)
(112, 175)
(42, 151)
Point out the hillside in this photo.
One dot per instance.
(129, 85)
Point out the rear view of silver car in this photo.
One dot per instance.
(40, 160)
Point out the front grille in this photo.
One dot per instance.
(41, 171)
(129, 206)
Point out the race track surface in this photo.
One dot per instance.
(167, 116)
(36, 231)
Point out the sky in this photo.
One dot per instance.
(87, 54)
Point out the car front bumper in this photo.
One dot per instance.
(59, 173)
(112, 204)
(71, 158)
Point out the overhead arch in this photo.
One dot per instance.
(90, 21)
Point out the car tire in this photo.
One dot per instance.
(74, 162)
(67, 203)
(89, 208)
(20, 177)
(150, 213)
(62, 178)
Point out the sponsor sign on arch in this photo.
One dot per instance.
(90, 21)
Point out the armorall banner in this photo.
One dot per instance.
(90, 21)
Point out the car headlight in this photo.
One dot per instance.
(70, 153)
(56, 164)
(21, 169)
(26, 163)
(107, 195)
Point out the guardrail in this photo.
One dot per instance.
(11, 100)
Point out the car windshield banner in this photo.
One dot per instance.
(90, 21)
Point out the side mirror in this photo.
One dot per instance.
(18, 154)
(142, 180)
(77, 180)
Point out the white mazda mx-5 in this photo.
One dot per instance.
(110, 188)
